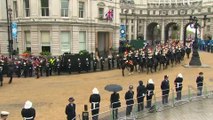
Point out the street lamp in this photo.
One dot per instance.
(10, 41)
(195, 60)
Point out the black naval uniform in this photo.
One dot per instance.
(165, 90)
(95, 105)
(28, 114)
(129, 101)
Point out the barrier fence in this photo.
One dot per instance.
(175, 98)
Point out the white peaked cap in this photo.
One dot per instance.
(95, 91)
(180, 75)
(151, 81)
(28, 104)
(4, 113)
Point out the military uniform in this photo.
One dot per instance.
(87, 64)
(109, 62)
(69, 65)
(102, 61)
(1, 76)
(95, 64)
(79, 65)
(30, 69)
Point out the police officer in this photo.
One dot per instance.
(1, 76)
(30, 69)
(10, 72)
(109, 62)
(94, 64)
(25, 69)
(79, 65)
(69, 64)
(102, 61)
(18, 69)
(47, 67)
(37, 71)
(87, 64)
(41, 66)
(58, 66)
(113, 61)
(118, 61)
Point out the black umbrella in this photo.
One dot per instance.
(113, 88)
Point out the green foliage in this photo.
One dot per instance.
(45, 53)
(83, 52)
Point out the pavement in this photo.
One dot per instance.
(50, 94)
(196, 110)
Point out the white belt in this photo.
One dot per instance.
(93, 104)
(28, 118)
(178, 84)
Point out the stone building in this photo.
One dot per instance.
(62, 26)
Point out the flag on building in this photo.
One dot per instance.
(109, 14)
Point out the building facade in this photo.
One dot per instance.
(60, 26)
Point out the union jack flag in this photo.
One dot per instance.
(109, 15)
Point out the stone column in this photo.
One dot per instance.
(202, 30)
(163, 31)
(135, 27)
(181, 30)
(144, 29)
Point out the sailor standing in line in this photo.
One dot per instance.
(95, 103)
(4, 115)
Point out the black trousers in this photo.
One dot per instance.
(129, 109)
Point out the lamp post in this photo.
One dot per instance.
(195, 60)
(10, 41)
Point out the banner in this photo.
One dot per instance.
(14, 30)
(123, 32)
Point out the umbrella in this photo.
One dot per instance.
(113, 88)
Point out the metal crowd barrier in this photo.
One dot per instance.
(188, 95)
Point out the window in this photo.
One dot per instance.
(82, 40)
(140, 28)
(101, 12)
(208, 28)
(27, 40)
(132, 21)
(209, 20)
(64, 8)
(45, 37)
(153, 12)
(15, 9)
(209, 10)
(65, 41)
(81, 9)
(27, 8)
(44, 7)
(132, 29)
(199, 10)
(141, 11)
(132, 37)
(127, 29)
(45, 41)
